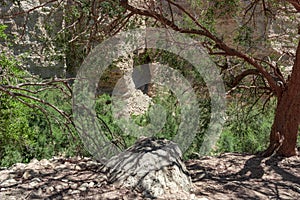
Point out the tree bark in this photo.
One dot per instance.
(283, 137)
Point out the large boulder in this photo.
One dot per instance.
(154, 167)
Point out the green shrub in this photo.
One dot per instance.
(30, 129)
(247, 129)
(173, 119)
(27, 133)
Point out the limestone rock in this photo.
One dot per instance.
(33, 43)
(154, 167)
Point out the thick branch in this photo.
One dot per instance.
(248, 88)
(162, 19)
(245, 73)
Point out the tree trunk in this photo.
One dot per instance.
(283, 137)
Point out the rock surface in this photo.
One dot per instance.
(32, 40)
(59, 178)
(228, 176)
(154, 167)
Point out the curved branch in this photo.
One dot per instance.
(17, 94)
(245, 73)
(204, 32)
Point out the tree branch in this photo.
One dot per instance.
(245, 73)
(248, 88)
(204, 32)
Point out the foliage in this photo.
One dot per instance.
(31, 129)
(244, 36)
(27, 132)
(163, 97)
(168, 101)
(247, 129)
(2, 29)
(108, 126)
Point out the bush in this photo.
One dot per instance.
(173, 119)
(28, 128)
(27, 133)
(247, 129)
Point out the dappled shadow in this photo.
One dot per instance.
(149, 162)
(229, 176)
(75, 178)
(283, 172)
(85, 178)
(252, 166)
(235, 176)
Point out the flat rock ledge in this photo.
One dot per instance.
(154, 167)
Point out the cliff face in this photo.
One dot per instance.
(31, 36)
(36, 36)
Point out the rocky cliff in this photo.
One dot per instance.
(33, 29)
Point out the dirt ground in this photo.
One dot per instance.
(240, 176)
(228, 176)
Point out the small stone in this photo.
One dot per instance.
(74, 186)
(34, 161)
(91, 163)
(9, 183)
(111, 195)
(77, 167)
(59, 187)
(40, 191)
(26, 174)
(4, 175)
(46, 163)
(91, 184)
(192, 196)
(33, 184)
(50, 189)
(73, 191)
(36, 179)
(62, 166)
(65, 185)
(86, 158)
(85, 185)
(19, 166)
(82, 188)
